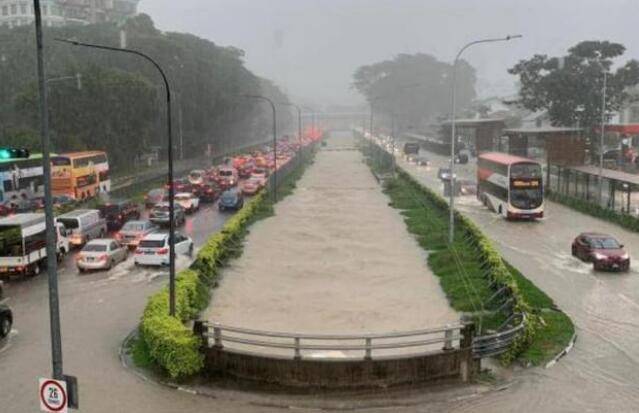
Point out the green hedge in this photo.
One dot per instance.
(171, 345)
(627, 221)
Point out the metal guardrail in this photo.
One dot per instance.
(498, 343)
(452, 337)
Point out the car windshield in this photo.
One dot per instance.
(604, 243)
(69, 223)
(147, 243)
(94, 248)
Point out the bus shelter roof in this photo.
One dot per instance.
(610, 174)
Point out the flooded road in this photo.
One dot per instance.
(602, 371)
(334, 259)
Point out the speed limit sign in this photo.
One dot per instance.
(53, 396)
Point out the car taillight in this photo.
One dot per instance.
(162, 251)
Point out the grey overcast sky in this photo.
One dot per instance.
(312, 47)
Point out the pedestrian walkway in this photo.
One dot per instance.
(334, 259)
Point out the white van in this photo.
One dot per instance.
(23, 244)
(83, 225)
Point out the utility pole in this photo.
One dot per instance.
(453, 137)
(602, 135)
(52, 264)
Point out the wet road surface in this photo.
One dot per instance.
(602, 371)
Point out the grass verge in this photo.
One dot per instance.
(471, 271)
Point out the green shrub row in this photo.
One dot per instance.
(170, 343)
(496, 270)
(627, 221)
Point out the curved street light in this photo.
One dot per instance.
(451, 227)
(274, 139)
(170, 157)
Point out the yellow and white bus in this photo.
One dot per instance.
(80, 175)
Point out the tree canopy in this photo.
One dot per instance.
(121, 106)
(415, 87)
(570, 87)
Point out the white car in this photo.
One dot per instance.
(154, 249)
(189, 202)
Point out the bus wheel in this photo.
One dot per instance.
(35, 270)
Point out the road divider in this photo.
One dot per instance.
(474, 276)
(168, 342)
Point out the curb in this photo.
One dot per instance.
(563, 352)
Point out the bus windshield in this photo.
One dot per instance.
(11, 241)
(526, 198)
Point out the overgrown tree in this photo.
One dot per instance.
(570, 87)
(417, 88)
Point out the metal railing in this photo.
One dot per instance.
(297, 345)
(495, 344)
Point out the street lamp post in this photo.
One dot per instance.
(602, 134)
(52, 264)
(170, 158)
(451, 228)
(299, 119)
(274, 140)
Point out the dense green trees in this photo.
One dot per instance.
(416, 87)
(570, 87)
(121, 106)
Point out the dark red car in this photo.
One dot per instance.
(181, 185)
(209, 192)
(604, 251)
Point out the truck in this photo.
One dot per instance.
(23, 244)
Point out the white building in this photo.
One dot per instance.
(55, 13)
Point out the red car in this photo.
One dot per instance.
(181, 185)
(604, 251)
(209, 192)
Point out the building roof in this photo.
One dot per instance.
(543, 129)
(473, 122)
(608, 174)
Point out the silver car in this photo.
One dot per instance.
(133, 231)
(101, 254)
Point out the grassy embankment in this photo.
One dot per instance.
(470, 270)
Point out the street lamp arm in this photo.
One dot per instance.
(492, 40)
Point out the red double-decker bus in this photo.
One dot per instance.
(510, 185)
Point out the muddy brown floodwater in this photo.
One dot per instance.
(334, 259)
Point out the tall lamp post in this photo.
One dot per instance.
(274, 139)
(299, 119)
(52, 265)
(603, 133)
(170, 158)
(451, 228)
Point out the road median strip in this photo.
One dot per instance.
(472, 271)
(166, 342)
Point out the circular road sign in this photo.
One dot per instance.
(53, 396)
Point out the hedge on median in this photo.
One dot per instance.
(171, 345)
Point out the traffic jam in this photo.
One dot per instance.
(512, 187)
(103, 238)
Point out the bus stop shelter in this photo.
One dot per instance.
(620, 190)
(478, 134)
(556, 145)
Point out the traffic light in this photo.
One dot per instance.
(14, 153)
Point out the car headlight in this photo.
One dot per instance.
(598, 256)
(625, 256)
